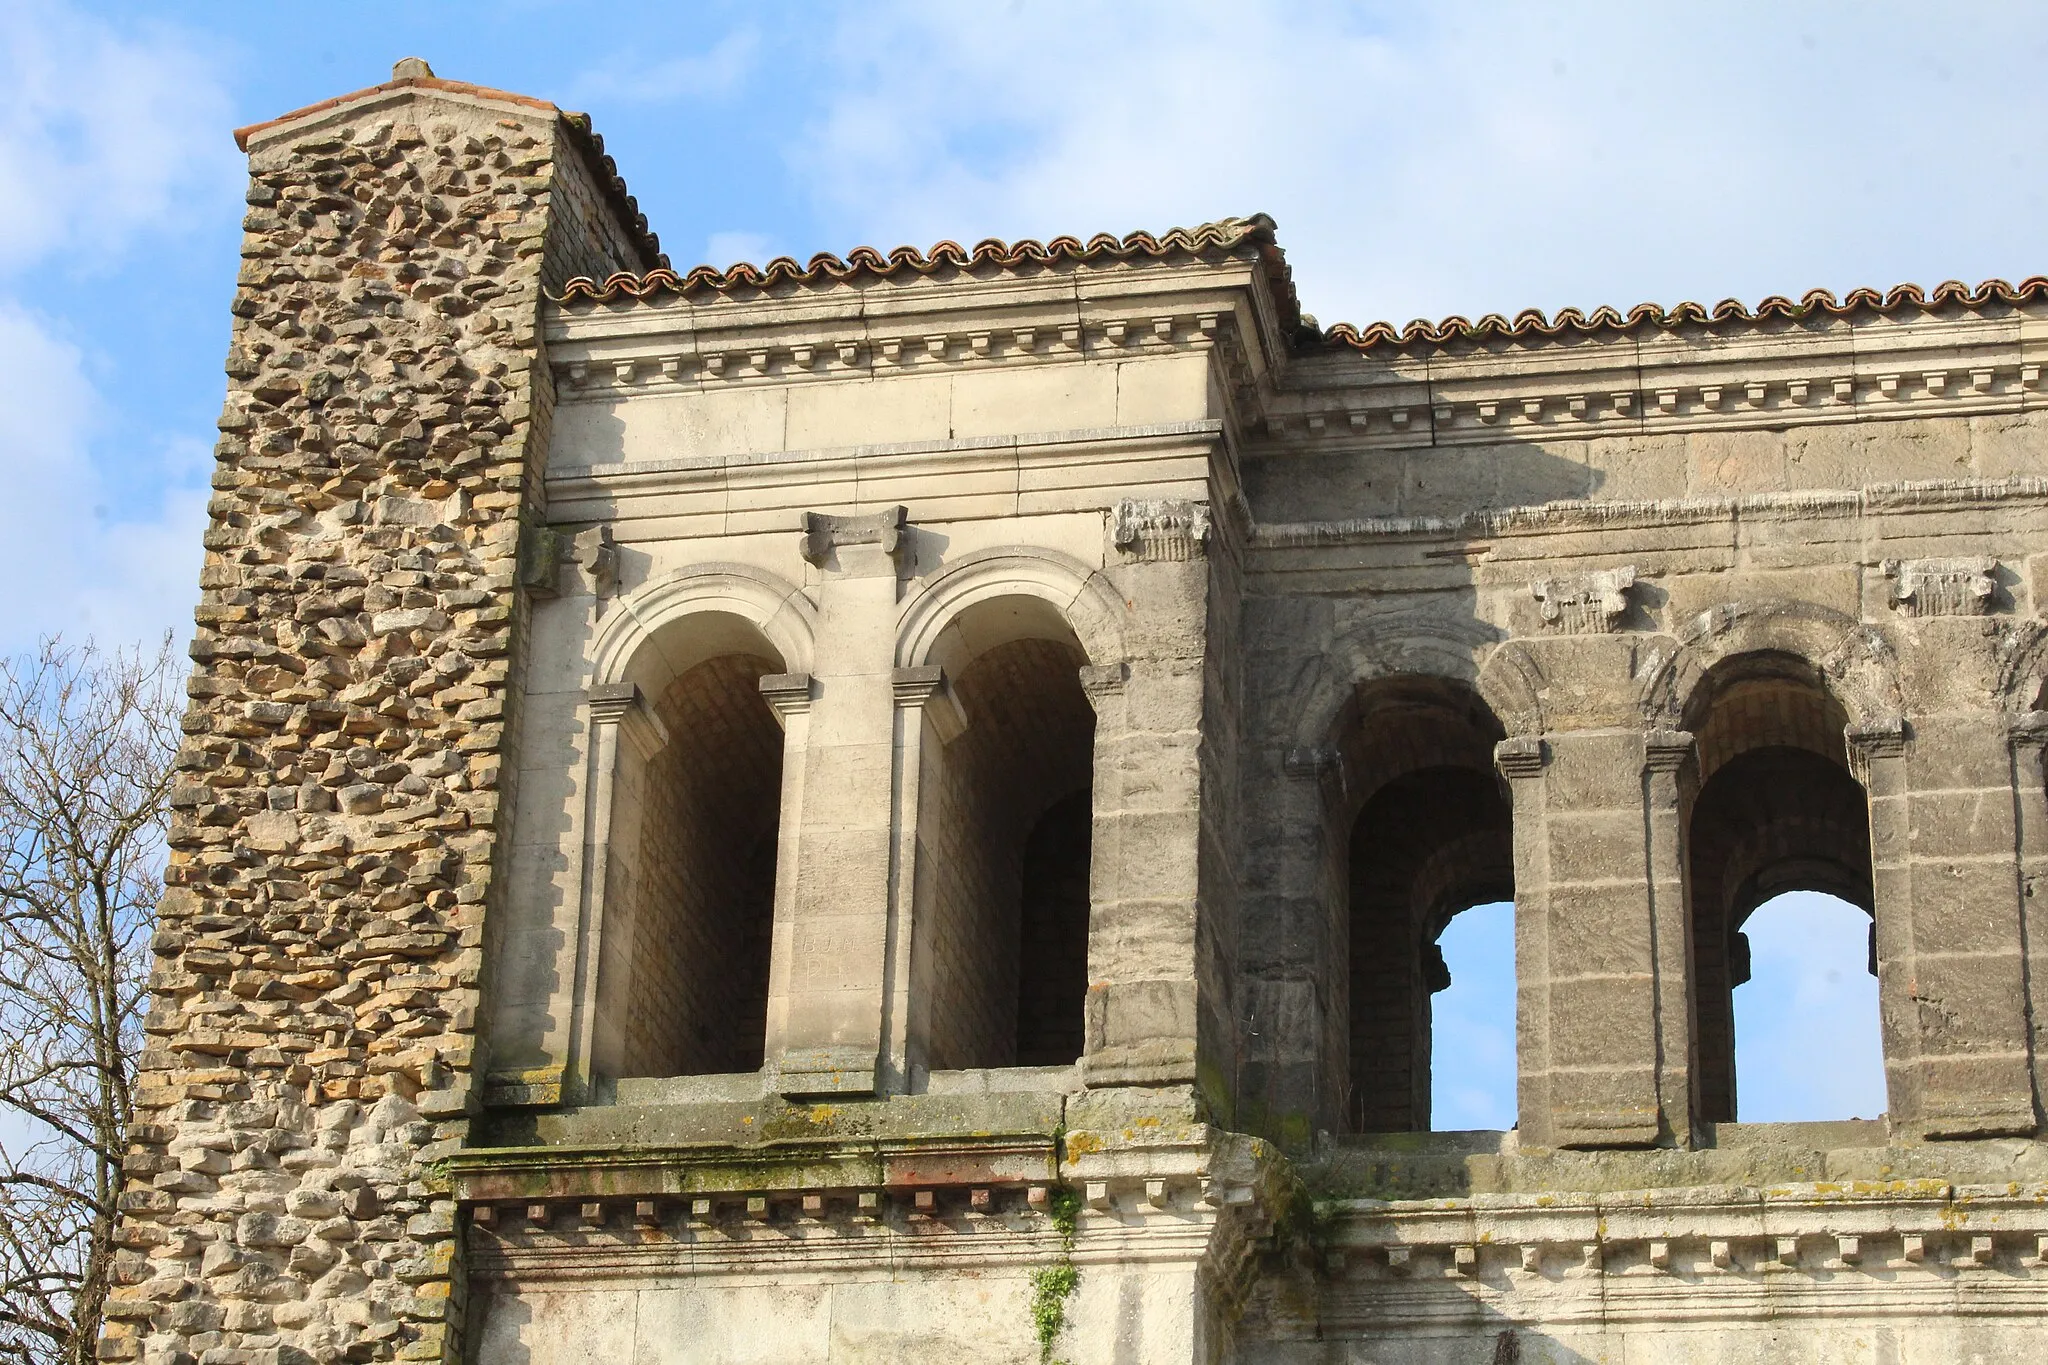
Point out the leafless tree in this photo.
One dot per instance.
(86, 743)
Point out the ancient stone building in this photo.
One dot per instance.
(854, 811)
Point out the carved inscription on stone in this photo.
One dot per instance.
(1585, 604)
(1942, 587)
(1160, 528)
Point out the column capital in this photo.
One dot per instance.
(1101, 681)
(622, 705)
(1520, 756)
(788, 694)
(1666, 751)
(1879, 737)
(927, 689)
(2028, 730)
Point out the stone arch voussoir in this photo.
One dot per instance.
(1858, 663)
(776, 607)
(1403, 644)
(1090, 607)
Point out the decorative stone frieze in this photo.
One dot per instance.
(1584, 604)
(1160, 528)
(1962, 586)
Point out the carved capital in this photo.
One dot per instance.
(1666, 751)
(1520, 756)
(1103, 681)
(1585, 604)
(1943, 587)
(788, 694)
(927, 689)
(598, 553)
(621, 705)
(2028, 730)
(1872, 740)
(1160, 528)
(823, 533)
(541, 552)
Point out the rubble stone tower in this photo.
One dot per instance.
(900, 808)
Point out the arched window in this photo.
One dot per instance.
(1433, 837)
(1472, 1069)
(1809, 984)
(690, 909)
(1005, 813)
(1777, 811)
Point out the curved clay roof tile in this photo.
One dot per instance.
(1226, 235)
(1532, 324)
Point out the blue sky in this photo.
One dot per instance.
(1810, 997)
(1422, 159)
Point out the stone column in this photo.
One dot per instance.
(1951, 981)
(928, 717)
(2028, 736)
(789, 696)
(1668, 775)
(1586, 942)
(624, 735)
(1145, 947)
(829, 979)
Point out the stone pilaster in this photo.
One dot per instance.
(830, 978)
(1588, 935)
(1951, 971)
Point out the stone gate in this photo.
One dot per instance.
(845, 812)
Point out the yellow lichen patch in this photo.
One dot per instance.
(1082, 1144)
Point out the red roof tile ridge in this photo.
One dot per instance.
(1532, 325)
(447, 87)
(1224, 235)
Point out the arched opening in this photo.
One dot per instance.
(695, 824)
(1472, 1026)
(1433, 836)
(1809, 979)
(1001, 950)
(1777, 811)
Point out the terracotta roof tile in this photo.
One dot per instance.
(1208, 241)
(588, 143)
(1532, 325)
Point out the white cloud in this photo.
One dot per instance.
(101, 136)
(1457, 158)
(105, 139)
(70, 568)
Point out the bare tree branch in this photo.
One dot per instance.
(86, 743)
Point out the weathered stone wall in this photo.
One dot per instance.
(1360, 632)
(312, 1031)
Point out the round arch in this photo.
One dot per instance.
(1385, 647)
(643, 621)
(1074, 597)
(1855, 661)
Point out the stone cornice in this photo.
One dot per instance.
(1725, 1240)
(1690, 380)
(668, 351)
(1582, 515)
